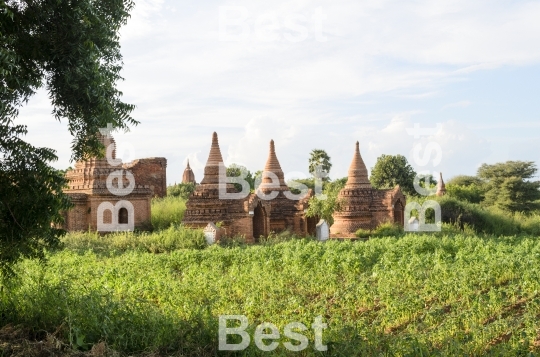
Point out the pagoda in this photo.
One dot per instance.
(363, 206)
(188, 176)
(251, 215)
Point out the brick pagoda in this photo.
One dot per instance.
(88, 189)
(252, 215)
(364, 206)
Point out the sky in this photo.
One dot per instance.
(323, 75)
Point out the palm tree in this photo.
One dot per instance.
(319, 164)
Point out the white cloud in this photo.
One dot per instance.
(460, 104)
(187, 84)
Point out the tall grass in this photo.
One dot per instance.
(167, 211)
(417, 295)
(484, 220)
(164, 241)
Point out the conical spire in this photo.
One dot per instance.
(215, 152)
(441, 187)
(211, 170)
(358, 175)
(188, 176)
(272, 165)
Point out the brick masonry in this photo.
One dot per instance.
(88, 190)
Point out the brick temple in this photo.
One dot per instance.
(251, 216)
(88, 190)
(364, 206)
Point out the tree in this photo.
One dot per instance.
(325, 206)
(235, 170)
(183, 190)
(72, 49)
(319, 164)
(508, 185)
(466, 188)
(392, 170)
(465, 180)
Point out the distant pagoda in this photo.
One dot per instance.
(188, 176)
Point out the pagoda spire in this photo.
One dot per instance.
(358, 175)
(272, 165)
(211, 170)
(188, 176)
(441, 187)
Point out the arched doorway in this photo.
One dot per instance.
(259, 222)
(311, 223)
(123, 216)
(398, 213)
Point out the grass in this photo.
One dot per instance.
(167, 211)
(484, 220)
(408, 296)
(163, 241)
(468, 290)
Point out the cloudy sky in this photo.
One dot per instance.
(313, 74)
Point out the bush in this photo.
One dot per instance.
(164, 241)
(183, 190)
(363, 233)
(167, 211)
(472, 193)
(486, 220)
(386, 229)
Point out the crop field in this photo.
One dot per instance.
(162, 293)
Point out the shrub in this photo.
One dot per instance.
(183, 190)
(386, 229)
(167, 211)
(363, 233)
(472, 193)
(164, 241)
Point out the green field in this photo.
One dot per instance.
(162, 293)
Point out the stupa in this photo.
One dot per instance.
(251, 215)
(441, 187)
(287, 212)
(364, 206)
(188, 176)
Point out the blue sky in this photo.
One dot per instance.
(353, 71)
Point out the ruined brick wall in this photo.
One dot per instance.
(150, 172)
(76, 219)
(141, 206)
(83, 216)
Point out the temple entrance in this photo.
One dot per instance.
(398, 213)
(259, 222)
(123, 216)
(311, 223)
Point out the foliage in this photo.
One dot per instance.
(392, 170)
(167, 211)
(183, 190)
(71, 47)
(472, 193)
(324, 206)
(31, 198)
(428, 178)
(319, 164)
(416, 295)
(465, 180)
(163, 241)
(237, 171)
(294, 185)
(385, 229)
(508, 185)
(483, 220)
